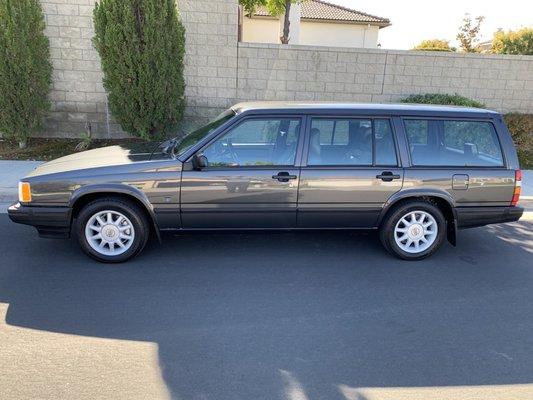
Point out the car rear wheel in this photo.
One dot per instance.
(112, 230)
(413, 230)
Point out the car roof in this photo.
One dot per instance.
(405, 109)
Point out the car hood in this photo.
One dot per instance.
(103, 157)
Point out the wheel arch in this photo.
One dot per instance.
(441, 199)
(86, 194)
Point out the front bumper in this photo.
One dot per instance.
(51, 222)
(472, 217)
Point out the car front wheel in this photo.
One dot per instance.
(414, 230)
(112, 230)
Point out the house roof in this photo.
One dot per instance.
(318, 10)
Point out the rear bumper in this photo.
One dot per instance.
(51, 222)
(471, 217)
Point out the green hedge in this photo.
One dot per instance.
(142, 44)
(521, 128)
(443, 99)
(25, 69)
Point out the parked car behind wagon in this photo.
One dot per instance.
(415, 173)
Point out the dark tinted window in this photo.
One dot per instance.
(385, 148)
(342, 141)
(453, 143)
(256, 142)
(194, 137)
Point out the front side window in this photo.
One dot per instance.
(256, 142)
(351, 142)
(195, 137)
(453, 143)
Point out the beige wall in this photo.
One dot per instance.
(260, 30)
(339, 35)
(277, 72)
(78, 95)
(215, 64)
(267, 30)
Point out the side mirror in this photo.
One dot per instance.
(199, 162)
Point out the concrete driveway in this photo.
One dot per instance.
(268, 316)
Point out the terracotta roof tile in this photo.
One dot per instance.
(321, 10)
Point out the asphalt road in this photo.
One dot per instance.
(297, 316)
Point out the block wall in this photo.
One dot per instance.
(281, 72)
(220, 71)
(78, 95)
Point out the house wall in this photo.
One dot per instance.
(339, 35)
(267, 30)
(260, 30)
(78, 95)
(305, 73)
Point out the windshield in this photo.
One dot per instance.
(192, 138)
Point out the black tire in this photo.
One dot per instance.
(132, 211)
(393, 217)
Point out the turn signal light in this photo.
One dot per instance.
(517, 188)
(24, 192)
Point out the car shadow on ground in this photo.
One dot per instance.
(242, 316)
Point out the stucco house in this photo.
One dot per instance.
(316, 23)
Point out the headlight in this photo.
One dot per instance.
(24, 192)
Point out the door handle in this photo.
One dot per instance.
(284, 177)
(388, 176)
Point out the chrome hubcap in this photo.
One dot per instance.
(416, 232)
(109, 233)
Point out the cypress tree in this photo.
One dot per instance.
(25, 69)
(141, 44)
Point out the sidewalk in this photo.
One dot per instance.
(12, 171)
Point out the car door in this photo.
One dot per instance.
(351, 170)
(251, 178)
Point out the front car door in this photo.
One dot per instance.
(251, 179)
(352, 169)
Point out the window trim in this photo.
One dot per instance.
(237, 123)
(372, 118)
(441, 127)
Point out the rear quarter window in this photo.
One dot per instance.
(455, 143)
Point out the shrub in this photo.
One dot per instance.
(521, 128)
(434, 45)
(519, 42)
(25, 69)
(444, 99)
(141, 44)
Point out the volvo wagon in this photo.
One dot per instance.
(417, 174)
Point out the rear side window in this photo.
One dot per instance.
(351, 142)
(453, 143)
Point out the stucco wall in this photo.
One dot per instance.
(260, 30)
(339, 35)
(267, 30)
(78, 95)
(289, 72)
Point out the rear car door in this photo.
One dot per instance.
(352, 169)
(251, 179)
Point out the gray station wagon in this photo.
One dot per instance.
(415, 173)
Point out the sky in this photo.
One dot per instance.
(416, 20)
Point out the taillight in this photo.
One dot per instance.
(517, 187)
